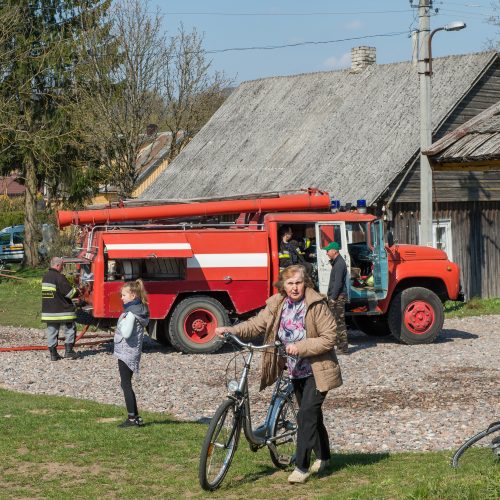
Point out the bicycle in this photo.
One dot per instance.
(495, 444)
(278, 432)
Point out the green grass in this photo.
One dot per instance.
(21, 301)
(55, 447)
(474, 307)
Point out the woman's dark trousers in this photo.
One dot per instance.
(126, 381)
(311, 433)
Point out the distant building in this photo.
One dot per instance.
(152, 161)
(11, 187)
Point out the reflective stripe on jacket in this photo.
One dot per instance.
(57, 293)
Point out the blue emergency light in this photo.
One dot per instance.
(335, 205)
(361, 206)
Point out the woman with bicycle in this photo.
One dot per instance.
(300, 318)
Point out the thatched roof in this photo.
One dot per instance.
(474, 144)
(348, 133)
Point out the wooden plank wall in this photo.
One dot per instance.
(457, 186)
(475, 240)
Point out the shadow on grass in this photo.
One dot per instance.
(253, 476)
(168, 421)
(337, 463)
(343, 460)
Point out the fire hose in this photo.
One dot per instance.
(77, 343)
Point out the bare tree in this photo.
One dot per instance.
(120, 95)
(191, 93)
(494, 19)
(146, 79)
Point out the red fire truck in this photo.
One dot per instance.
(201, 272)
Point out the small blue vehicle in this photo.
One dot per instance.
(11, 243)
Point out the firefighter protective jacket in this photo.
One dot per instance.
(57, 293)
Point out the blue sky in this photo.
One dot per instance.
(293, 21)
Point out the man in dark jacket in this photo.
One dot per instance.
(337, 293)
(58, 309)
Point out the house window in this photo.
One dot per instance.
(441, 236)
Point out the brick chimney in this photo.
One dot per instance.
(361, 57)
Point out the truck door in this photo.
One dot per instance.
(326, 232)
(379, 256)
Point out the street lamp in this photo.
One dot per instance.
(425, 72)
(454, 26)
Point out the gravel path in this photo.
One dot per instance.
(395, 397)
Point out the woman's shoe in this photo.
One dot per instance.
(298, 477)
(319, 466)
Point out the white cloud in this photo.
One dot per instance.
(344, 61)
(356, 24)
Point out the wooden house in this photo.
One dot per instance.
(355, 133)
(151, 162)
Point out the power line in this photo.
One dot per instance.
(272, 47)
(243, 14)
(453, 11)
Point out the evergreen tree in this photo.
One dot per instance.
(39, 60)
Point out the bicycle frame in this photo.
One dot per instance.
(261, 436)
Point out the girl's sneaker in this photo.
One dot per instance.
(132, 422)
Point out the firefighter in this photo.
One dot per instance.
(58, 309)
(290, 253)
(337, 294)
(288, 248)
(308, 245)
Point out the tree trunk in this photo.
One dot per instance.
(30, 225)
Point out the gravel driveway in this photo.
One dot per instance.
(395, 397)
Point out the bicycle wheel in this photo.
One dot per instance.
(283, 454)
(219, 446)
(494, 427)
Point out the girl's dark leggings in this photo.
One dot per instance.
(126, 382)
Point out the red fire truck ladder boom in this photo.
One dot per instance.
(312, 199)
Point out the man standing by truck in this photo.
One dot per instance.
(58, 309)
(337, 294)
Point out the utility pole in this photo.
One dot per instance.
(425, 124)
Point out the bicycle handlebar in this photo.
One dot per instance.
(229, 336)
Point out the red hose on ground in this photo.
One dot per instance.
(44, 347)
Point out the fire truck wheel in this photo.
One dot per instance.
(374, 326)
(416, 316)
(193, 323)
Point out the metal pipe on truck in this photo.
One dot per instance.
(311, 200)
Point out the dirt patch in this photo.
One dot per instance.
(41, 411)
(107, 420)
(450, 385)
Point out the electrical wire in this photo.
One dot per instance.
(273, 47)
(263, 14)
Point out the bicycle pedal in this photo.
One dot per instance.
(253, 447)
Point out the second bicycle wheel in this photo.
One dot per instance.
(219, 446)
(285, 424)
(490, 431)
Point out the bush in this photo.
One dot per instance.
(11, 219)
